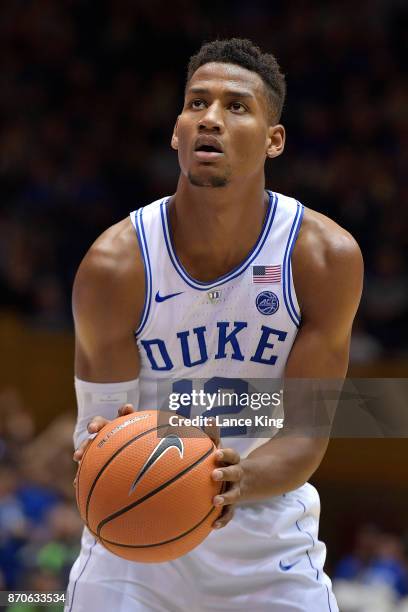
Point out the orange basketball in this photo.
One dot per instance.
(144, 488)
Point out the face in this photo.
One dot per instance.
(224, 131)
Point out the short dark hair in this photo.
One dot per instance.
(243, 52)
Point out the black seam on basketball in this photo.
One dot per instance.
(213, 509)
(112, 457)
(151, 493)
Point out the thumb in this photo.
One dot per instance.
(126, 409)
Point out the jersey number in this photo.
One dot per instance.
(213, 386)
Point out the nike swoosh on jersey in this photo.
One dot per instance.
(163, 298)
(171, 441)
(287, 567)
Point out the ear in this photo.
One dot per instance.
(275, 142)
(174, 138)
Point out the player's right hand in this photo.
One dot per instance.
(93, 427)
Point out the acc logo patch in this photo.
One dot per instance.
(267, 302)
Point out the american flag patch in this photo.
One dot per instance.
(266, 274)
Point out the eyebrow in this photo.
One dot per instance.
(233, 93)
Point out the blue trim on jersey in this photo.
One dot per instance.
(287, 296)
(328, 597)
(147, 269)
(82, 571)
(310, 536)
(302, 210)
(203, 286)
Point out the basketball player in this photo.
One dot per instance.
(174, 292)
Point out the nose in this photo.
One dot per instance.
(212, 120)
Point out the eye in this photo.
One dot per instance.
(197, 104)
(237, 107)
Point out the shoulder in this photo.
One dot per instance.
(323, 242)
(110, 278)
(327, 262)
(114, 254)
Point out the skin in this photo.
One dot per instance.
(215, 202)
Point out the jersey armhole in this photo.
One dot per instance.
(289, 292)
(137, 222)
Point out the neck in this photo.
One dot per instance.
(214, 229)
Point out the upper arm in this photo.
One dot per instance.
(328, 276)
(107, 300)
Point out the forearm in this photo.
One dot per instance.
(280, 465)
(101, 399)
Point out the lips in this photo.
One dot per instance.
(209, 144)
(208, 148)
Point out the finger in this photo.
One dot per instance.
(231, 496)
(227, 456)
(232, 473)
(213, 431)
(93, 427)
(227, 513)
(96, 424)
(126, 409)
(225, 518)
(78, 454)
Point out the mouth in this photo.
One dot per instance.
(208, 148)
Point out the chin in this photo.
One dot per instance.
(199, 180)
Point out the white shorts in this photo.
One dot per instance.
(267, 559)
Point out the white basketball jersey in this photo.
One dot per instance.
(237, 327)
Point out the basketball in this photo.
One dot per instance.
(144, 488)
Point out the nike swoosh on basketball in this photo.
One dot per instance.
(289, 566)
(163, 298)
(171, 441)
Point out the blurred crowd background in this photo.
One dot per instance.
(89, 96)
(89, 93)
(40, 527)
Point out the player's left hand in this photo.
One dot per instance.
(229, 471)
